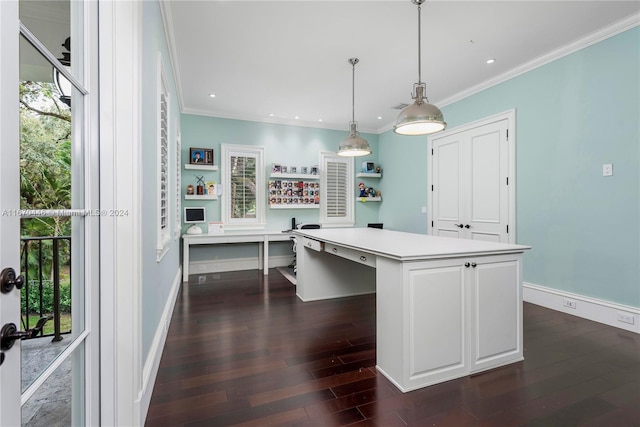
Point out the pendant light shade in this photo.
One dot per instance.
(421, 118)
(353, 145)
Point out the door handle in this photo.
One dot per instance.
(8, 280)
(467, 226)
(10, 333)
(466, 264)
(459, 225)
(474, 265)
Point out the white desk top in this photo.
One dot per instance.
(407, 246)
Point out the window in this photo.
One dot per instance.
(336, 201)
(164, 235)
(243, 187)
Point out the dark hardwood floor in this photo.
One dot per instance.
(242, 350)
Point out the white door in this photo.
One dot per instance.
(472, 185)
(46, 195)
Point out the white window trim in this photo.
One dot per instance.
(164, 234)
(178, 206)
(349, 219)
(259, 222)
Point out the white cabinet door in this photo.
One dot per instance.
(496, 312)
(436, 317)
(470, 173)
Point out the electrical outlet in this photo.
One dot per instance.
(570, 303)
(626, 317)
(607, 169)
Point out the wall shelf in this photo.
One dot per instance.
(300, 176)
(369, 199)
(368, 175)
(200, 197)
(281, 206)
(211, 168)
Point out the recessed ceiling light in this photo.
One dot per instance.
(491, 61)
(270, 114)
(212, 95)
(319, 120)
(379, 117)
(297, 117)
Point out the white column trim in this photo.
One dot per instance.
(120, 170)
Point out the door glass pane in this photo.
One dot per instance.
(52, 202)
(243, 187)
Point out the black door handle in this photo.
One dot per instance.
(467, 226)
(10, 333)
(459, 225)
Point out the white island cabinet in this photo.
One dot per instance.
(446, 307)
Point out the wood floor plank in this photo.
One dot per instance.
(243, 350)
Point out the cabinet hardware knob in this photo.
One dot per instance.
(459, 225)
(334, 250)
(466, 264)
(467, 226)
(363, 258)
(474, 265)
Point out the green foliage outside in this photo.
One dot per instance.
(45, 183)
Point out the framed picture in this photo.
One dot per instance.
(293, 169)
(201, 156)
(304, 170)
(283, 169)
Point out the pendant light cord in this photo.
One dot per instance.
(353, 92)
(419, 3)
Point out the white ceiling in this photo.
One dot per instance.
(290, 58)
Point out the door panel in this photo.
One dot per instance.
(43, 189)
(469, 170)
(448, 178)
(9, 205)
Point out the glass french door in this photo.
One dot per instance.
(47, 232)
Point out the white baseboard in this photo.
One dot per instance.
(237, 264)
(588, 308)
(150, 370)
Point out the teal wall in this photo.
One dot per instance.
(572, 116)
(285, 145)
(157, 277)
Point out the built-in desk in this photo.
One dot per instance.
(445, 308)
(261, 237)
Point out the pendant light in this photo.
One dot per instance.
(421, 118)
(353, 145)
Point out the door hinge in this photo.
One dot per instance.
(507, 134)
(431, 187)
(432, 151)
(507, 228)
(507, 180)
(432, 224)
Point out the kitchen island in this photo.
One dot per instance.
(445, 308)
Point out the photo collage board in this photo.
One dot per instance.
(284, 192)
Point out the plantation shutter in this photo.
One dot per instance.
(336, 190)
(336, 202)
(243, 187)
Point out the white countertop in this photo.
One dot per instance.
(407, 246)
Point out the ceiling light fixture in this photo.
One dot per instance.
(353, 145)
(212, 95)
(421, 118)
(491, 61)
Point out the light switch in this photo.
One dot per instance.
(423, 209)
(607, 169)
